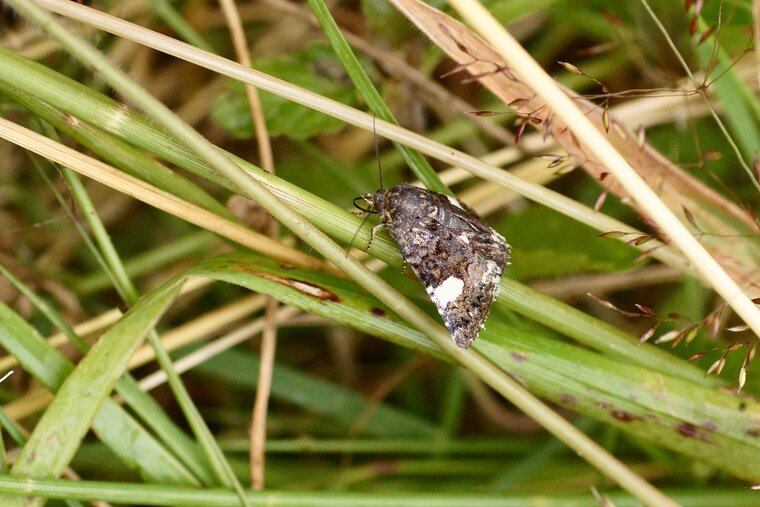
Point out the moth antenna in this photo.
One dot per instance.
(353, 238)
(377, 152)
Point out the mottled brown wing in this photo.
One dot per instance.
(458, 258)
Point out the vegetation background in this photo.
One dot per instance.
(173, 344)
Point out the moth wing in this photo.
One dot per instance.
(460, 269)
(459, 217)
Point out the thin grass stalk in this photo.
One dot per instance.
(269, 336)
(513, 295)
(414, 159)
(371, 282)
(536, 193)
(529, 70)
(748, 130)
(126, 387)
(179, 156)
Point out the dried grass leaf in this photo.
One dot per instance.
(718, 217)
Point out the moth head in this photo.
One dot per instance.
(378, 201)
(371, 203)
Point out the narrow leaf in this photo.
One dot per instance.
(61, 429)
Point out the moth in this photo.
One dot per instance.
(457, 257)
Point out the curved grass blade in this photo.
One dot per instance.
(334, 402)
(414, 159)
(47, 365)
(696, 420)
(117, 152)
(61, 429)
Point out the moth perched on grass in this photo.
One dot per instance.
(458, 258)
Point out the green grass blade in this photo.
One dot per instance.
(145, 406)
(196, 244)
(700, 421)
(208, 444)
(50, 368)
(66, 421)
(706, 423)
(186, 497)
(328, 399)
(115, 151)
(417, 163)
(168, 13)
(126, 288)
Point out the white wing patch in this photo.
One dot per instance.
(458, 258)
(448, 291)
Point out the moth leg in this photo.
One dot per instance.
(372, 233)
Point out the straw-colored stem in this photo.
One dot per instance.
(486, 370)
(475, 166)
(524, 66)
